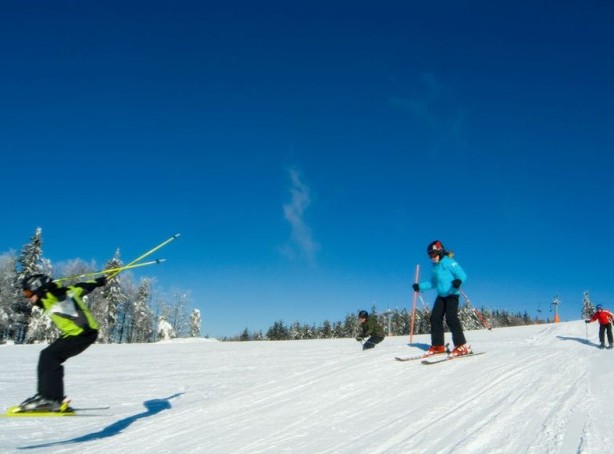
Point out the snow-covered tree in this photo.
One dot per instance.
(105, 309)
(195, 323)
(295, 332)
(7, 294)
(468, 318)
(30, 262)
(165, 329)
(178, 313)
(40, 328)
(143, 317)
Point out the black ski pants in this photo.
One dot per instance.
(602, 330)
(50, 369)
(446, 306)
(372, 342)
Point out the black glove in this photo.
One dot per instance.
(101, 281)
(587, 321)
(456, 283)
(359, 339)
(416, 287)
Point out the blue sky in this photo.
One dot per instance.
(308, 152)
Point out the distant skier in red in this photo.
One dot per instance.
(606, 318)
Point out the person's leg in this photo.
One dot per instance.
(453, 322)
(602, 335)
(50, 369)
(609, 331)
(372, 342)
(437, 334)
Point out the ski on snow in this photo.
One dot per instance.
(16, 412)
(450, 358)
(414, 358)
(422, 356)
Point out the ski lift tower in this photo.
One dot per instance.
(555, 303)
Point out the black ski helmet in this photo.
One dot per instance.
(435, 248)
(363, 314)
(36, 282)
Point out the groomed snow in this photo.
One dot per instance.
(538, 389)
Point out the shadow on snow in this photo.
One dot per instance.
(579, 339)
(152, 407)
(421, 346)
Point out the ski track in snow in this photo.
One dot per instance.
(539, 389)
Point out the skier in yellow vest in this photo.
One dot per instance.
(65, 307)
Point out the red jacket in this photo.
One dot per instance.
(603, 316)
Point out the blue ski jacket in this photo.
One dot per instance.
(444, 272)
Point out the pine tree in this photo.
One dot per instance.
(30, 262)
(244, 336)
(350, 326)
(106, 307)
(327, 330)
(587, 306)
(8, 278)
(143, 316)
(278, 331)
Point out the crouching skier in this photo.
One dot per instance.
(79, 330)
(371, 329)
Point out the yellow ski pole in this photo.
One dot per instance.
(111, 270)
(151, 251)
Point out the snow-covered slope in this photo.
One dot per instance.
(538, 389)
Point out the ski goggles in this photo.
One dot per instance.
(28, 293)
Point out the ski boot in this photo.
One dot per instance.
(435, 350)
(461, 350)
(40, 403)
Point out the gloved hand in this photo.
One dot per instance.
(102, 281)
(587, 321)
(359, 339)
(456, 283)
(416, 287)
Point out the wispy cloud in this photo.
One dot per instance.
(433, 104)
(302, 242)
(424, 105)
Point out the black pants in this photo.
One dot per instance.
(602, 331)
(446, 306)
(50, 369)
(372, 342)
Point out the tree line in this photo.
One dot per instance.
(127, 311)
(395, 323)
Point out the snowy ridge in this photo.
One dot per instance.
(540, 389)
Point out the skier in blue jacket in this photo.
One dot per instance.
(446, 278)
